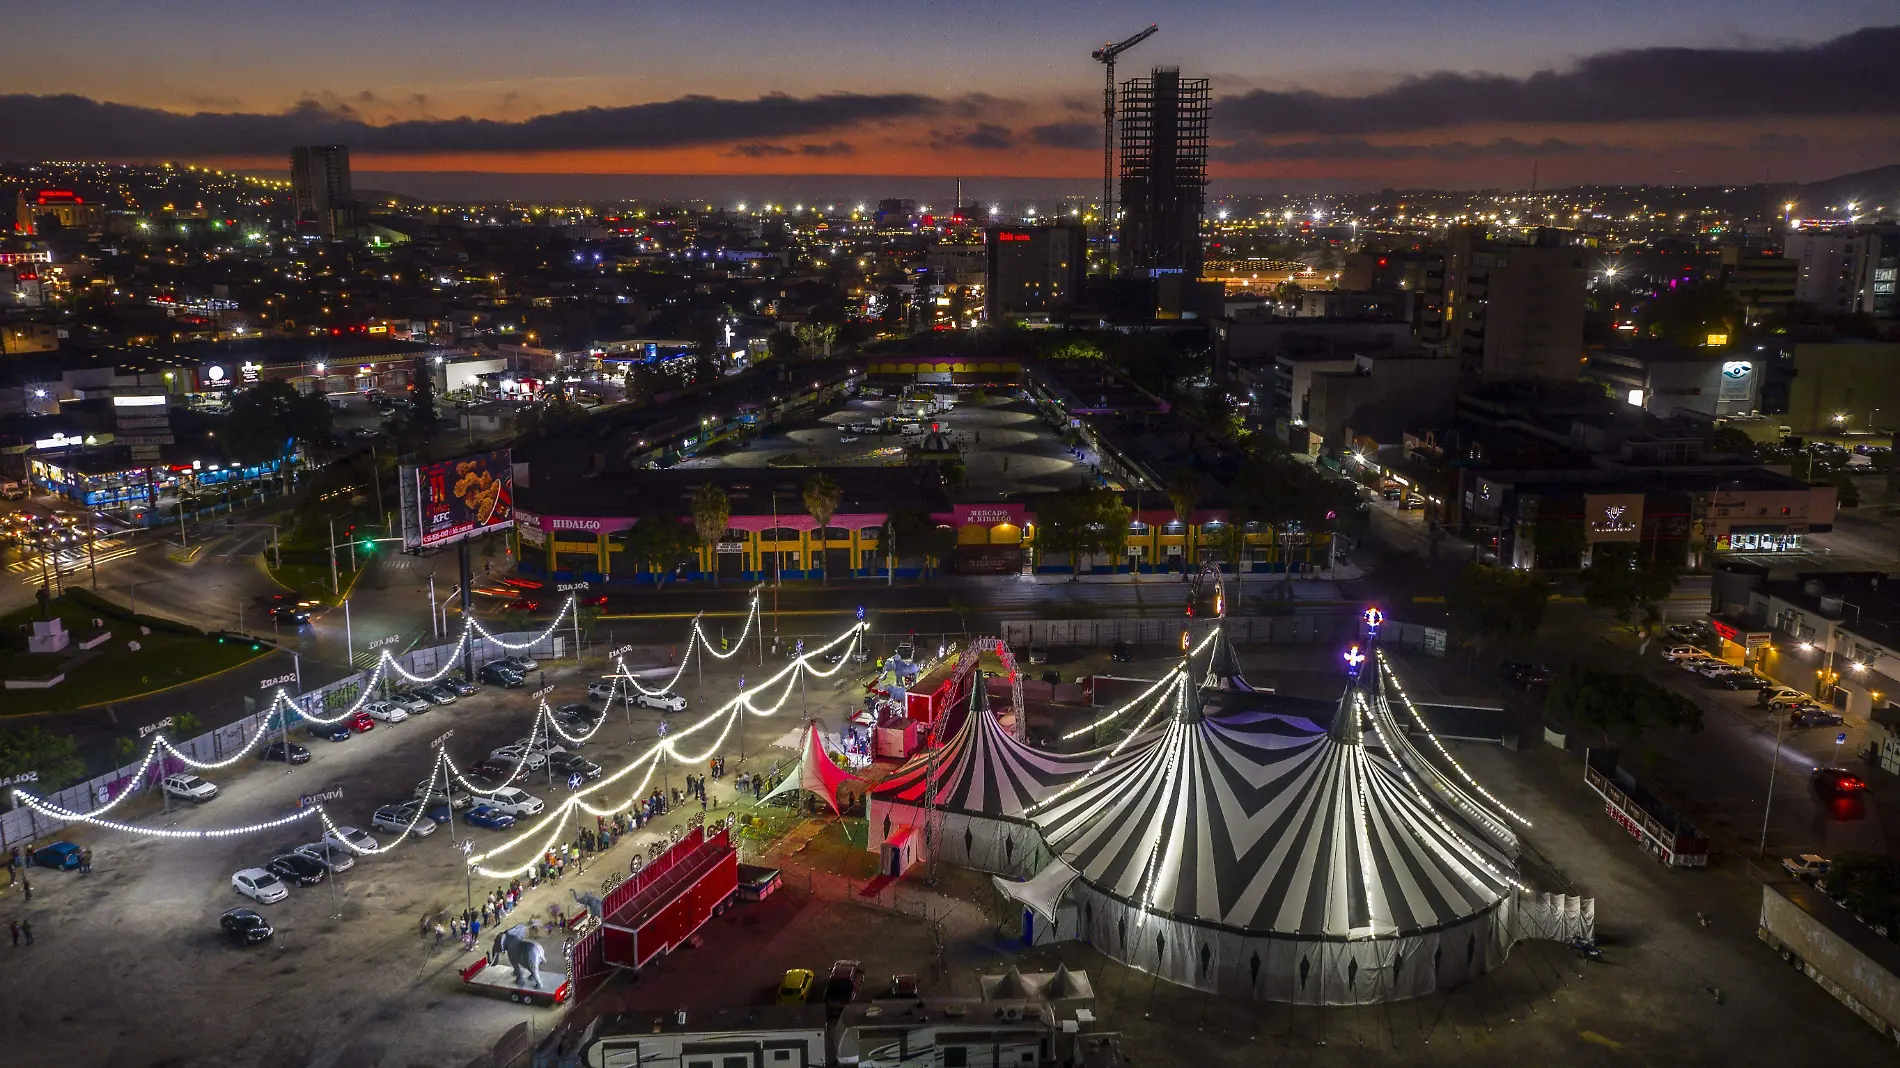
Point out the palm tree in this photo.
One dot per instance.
(712, 511)
(1184, 493)
(821, 503)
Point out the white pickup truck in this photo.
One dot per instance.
(513, 800)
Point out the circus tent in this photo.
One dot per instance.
(815, 772)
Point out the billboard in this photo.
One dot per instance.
(454, 500)
(1612, 517)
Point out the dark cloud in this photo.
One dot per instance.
(835, 148)
(1067, 135)
(758, 150)
(984, 135)
(1352, 148)
(75, 127)
(1851, 75)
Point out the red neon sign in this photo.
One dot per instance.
(1005, 235)
(1724, 629)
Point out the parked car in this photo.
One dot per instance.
(1772, 695)
(502, 771)
(1790, 700)
(842, 988)
(502, 675)
(483, 816)
(439, 796)
(904, 987)
(245, 926)
(335, 858)
(260, 886)
(1677, 653)
(1742, 680)
(60, 856)
(190, 787)
(795, 988)
(332, 732)
(511, 800)
(906, 651)
(577, 713)
(296, 869)
(399, 818)
(459, 686)
(520, 662)
(437, 694)
(410, 701)
(1807, 866)
(665, 702)
(602, 690)
(387, 711)
(354, 838)
(1121, 652)
(1682, 632)
(361, 722)
(1814, 716)
(1038, 654)
(519, 754)
(565, 764)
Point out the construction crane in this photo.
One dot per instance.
(1105, 55)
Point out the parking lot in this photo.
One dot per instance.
(1006, 448)
(347, 979)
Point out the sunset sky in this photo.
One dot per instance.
(1375, 92)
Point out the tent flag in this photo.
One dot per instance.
(1042, 892)
(816, 771)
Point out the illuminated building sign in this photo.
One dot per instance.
(1005, 235)
(1613, 516)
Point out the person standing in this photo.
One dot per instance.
(26, 931)
(439, 932)
(16, 932)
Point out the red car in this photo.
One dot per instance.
(362, 722)
(598, 600)
(522, 604)
(842, 988)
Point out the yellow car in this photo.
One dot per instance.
(795, 987)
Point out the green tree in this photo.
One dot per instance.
(660, 544)
(1489, 604)
(1631, 587)
(185, 725)
(1870, 883)
(712, 513)
(1560, 538)
(270, 420)
(1075, 349)
(1846, 490)
(1619, 704)
(1730, 439)
(822, 495)
(55, 757)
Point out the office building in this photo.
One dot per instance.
(320, 189)
(1759, 280)
(1033, 270)
(1665, 380)
(1508, 312)
(59, 208)
(1845, 272)
(1163, 173)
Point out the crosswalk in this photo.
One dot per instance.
(62, 566)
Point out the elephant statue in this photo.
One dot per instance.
(522, 952)
(591, 900)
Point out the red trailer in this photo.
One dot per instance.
(676, 894)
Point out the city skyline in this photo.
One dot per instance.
(1698, 94)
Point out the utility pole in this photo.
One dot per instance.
(1769, 804)
(182, 542)
(435, 628)
(333, 582)
(349, 640)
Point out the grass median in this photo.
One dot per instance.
(114, 671)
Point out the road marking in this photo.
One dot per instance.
(1606, 1043)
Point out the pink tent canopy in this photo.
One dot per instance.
(816, 771)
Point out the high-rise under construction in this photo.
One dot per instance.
(1163, 172)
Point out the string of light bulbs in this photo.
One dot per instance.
(1387, 674)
